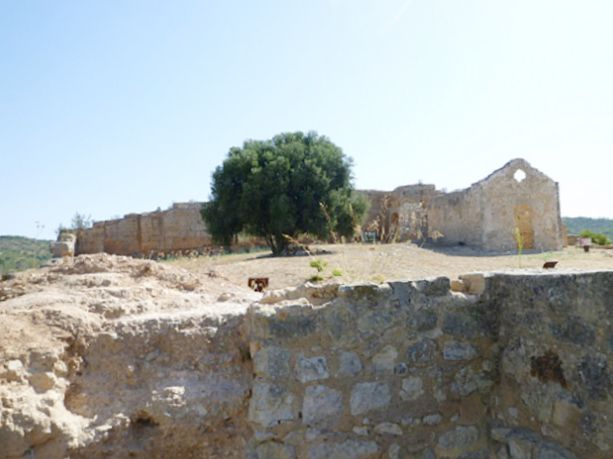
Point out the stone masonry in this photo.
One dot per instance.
(516, 198)
(519, 368)
(412, 370)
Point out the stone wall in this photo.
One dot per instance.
(489, 213)
(179, 228)
(519, 368)
(412, 370)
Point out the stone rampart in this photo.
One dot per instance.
(179, 228)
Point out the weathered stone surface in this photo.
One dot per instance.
(321, 406)
(292, 326)
(454, 350)
(311, 368)
(272, 362)
(466, 381)
(369, 396)
(594, 374)
(271, 404)
(349, 449)
(424, 319)
(349, 363)
(274, 450)
(575, 330)
(412, 388)
(164, 375)
(385, 359)
(433, 287)
(388, 428)
(461, 325)
(422, 352)
(473, 283)
(432, 419)
(460, 437)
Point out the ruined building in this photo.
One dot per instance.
(516, 199)
(176, 229)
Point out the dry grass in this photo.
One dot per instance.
(360, 262)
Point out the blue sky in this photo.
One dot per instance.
(111, 107)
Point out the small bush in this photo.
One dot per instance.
(318, 264)
(597, 238)
(336, 272)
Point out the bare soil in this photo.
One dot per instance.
(379, 262)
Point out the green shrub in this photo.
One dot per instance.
(318, 264)
(597, 238)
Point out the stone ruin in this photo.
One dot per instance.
(179, 229)
(139, 361)
(516, 198)
(488, 215)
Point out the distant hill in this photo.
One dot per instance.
(597, 225)
(18, 253)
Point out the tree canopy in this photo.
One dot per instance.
(294, 183)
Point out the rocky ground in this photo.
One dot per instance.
(84, 349)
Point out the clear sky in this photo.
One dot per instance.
(118, 106)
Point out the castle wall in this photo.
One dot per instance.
(179, 228)
(457, 217)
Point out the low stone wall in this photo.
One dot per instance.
(411, 370)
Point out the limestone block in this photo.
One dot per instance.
(388, 428)
(321, 406)
(271, 404)
(272, 362)
(349, 363)
(369, 396)
(349, 449)
(311, 368)
(274, 450)
(384, 360)
(412, 388)
(454, 350)
(14, 371)
(460, 437)
(424, 319)
(43, 381)
(474, 283)
(466, 381)
(422, 352)
(458, 285)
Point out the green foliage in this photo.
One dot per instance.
(318, 264)
(19, 253)
(597, 238)
(576, 225)
(337, 272)
(294, 183)
(81, 221)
